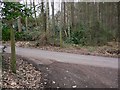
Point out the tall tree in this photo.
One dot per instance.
(43, 15)
(61, 25)
(26, 19)
(64, 18)
(72, 15)
(98, 11)
(34, 7)
(53, 21)
(47, 21)
(0, 30)
(68, 19)
(118, 34)
(10, 12)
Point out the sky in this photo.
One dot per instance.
(56, 4)
(73, 0)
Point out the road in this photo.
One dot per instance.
(67, 57)
(65, 70)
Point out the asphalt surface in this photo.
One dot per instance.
(65, 70)
(67, 57)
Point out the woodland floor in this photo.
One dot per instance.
(27, 76)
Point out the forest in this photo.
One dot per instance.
(83, 23)
(60, 24)
(67, 30)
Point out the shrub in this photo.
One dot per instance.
(78, 36)
(99, 35)
(19, 36)
(94, 35)
(27, 35)
(5, 33)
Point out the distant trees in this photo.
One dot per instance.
(97, 21)
(86, 23)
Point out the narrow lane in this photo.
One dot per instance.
(67, 57)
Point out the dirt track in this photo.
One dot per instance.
(63, 75)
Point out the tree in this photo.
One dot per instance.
(42, 14)
(118, 34)
(10, 13)
(61, 25)
(0, 31)
(72, 15)
(53, 21)
(26, 19)
(47, 21)
(35, 12)
(64, 18)
(68, 19)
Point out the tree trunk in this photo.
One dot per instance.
(45, 28)
(64, 19)
(35, 12)
(26, 19)
(19, 24)
(72, 15)
(26, 23)
(98, 11)
(0, 31)
(61, 25)
(68, 21)
(43, 15)
(53, 22)
(13, 55)
(118, 34)
(47, 22)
